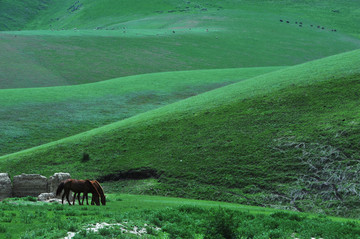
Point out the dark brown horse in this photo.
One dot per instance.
(101, 192)
(78, 186)
(98, 187)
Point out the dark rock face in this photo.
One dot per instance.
(29, 185)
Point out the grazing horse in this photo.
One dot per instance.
(98, 187)
(77, 186)
(101, 192)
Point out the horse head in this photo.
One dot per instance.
(100, 190)
(103, 199)
(94, 191)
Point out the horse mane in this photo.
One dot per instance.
(92, 187)
(101, 190)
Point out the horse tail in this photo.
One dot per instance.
(60, 188)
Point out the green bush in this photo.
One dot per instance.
(30, 199)
(222, 224)
(2, 229)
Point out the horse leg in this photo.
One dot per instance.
(79, 198)
(87, 199)
(74, 197)
(62, 198)
(84, 194)
(67, 196)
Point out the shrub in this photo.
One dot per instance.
(29, 198)
(85, 157)
(2, 229)
(221, 225)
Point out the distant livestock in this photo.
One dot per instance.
(300, 24)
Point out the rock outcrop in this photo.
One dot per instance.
(48, 197)
(29, 185)
(5, 186)
(54, 181)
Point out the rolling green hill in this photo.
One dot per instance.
(253, 102)
(257, 141)
(70, 110)
(141, 37)
(16, 15)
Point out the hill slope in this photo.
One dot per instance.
(70, 110)
(249, 142)
(16, 15)
(142, 37)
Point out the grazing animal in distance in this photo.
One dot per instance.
(77, 186)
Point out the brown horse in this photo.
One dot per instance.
(98, 187)
(101, 192)
(78, 186)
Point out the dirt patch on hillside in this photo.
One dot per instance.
(131, 174)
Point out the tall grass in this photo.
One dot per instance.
(183, 219)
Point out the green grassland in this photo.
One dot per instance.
(238, 35)
(69, 110)
(176, 218)
(205, 100)
(225, 144)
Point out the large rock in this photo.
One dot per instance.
(48, 197)
(29, 185)
(5, 186)
(45, 196)
(55, 180)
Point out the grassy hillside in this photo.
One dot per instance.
(15, 15)
(248, 142)
(137, 38)
(70, 110)
(159, 14)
